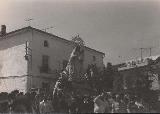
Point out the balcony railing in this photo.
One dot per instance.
(44, 69)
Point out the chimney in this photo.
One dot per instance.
(3, 30)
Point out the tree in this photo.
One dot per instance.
(143, 87)
(118, 83)
(108, 77)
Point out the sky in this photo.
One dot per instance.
(116, 27)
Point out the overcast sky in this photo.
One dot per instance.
(116, 27)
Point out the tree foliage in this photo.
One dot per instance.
(108, 77)
(143, 87)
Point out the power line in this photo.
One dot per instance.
(141, 49)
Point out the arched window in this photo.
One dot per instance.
(46, 43)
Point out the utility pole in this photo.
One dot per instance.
(27, 51)
(141, 52)
(150, 51)
(147, 48)
(28, 58)
(29, 21)
(141, 49)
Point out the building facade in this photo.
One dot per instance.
(31, 58)
(131, 71)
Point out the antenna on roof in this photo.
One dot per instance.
(45, 29)
(29, 21)
(147, 48)
(141, 51)
(150, 50)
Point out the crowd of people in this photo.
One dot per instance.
(41, 103)
(119, 103)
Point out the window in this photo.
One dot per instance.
(45, 60)
(94, 58)
(45, 64)
(46, 43)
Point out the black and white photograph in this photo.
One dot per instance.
(79, 56)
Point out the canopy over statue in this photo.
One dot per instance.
(71, 78)
(75, 65)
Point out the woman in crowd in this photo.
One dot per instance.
(46, 105)
(115, 104)
(101, 105)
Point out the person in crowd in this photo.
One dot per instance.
(122, 105)
(62, 104)
(37, 103)
(79, 104)
(4, 105)
(72, 102)
(46, 106)
(115, 105)
(132, 106)
(127, 101)
(90, 104)
(101, 105)
(22, 104)
(86, 104)
(55, 100)
(139, 104)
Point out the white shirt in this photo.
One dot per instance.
(45, 107)
(99, 105)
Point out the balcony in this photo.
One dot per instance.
(44, 69)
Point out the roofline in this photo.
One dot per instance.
(29, 27)
(132, 68)
(12, 32)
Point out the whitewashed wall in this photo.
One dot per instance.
(12, 61)
(13, 66)
(10, 84)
